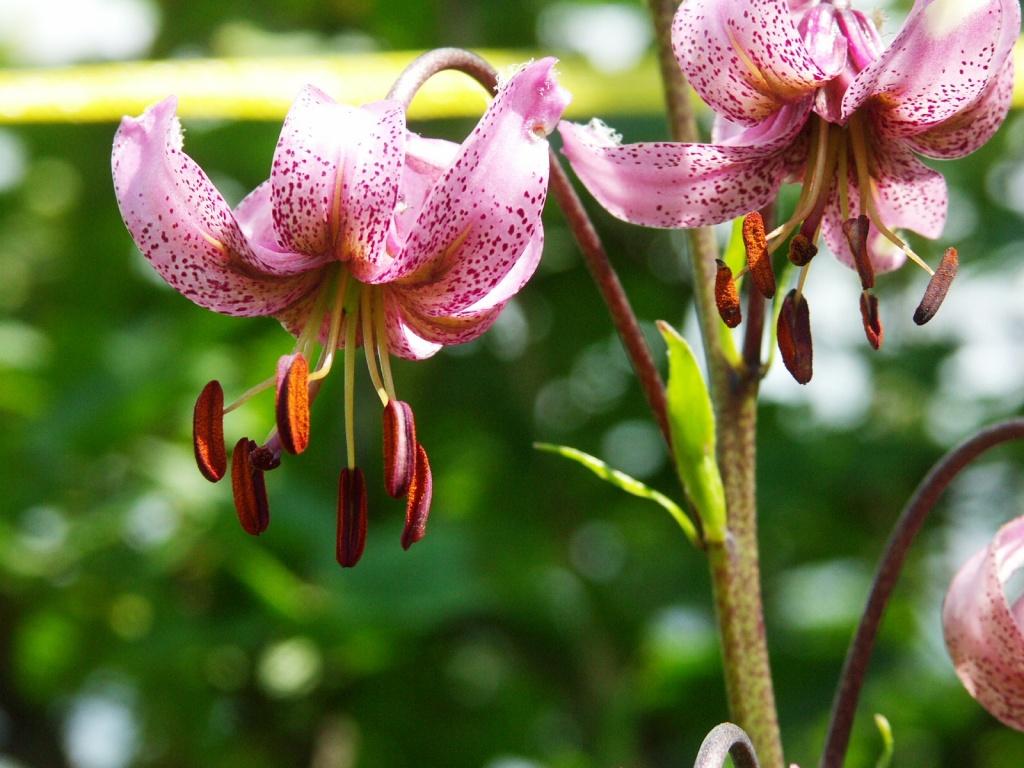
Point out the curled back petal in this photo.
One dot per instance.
(745, 58)
(984, 634)
(334, 179)
(255, 218)
(484, 211)
(940, 63)
(672, 185)
(446, 299)
(967, 130)
(909, 195)
(425, 162)
(402, 339)
(183, 225)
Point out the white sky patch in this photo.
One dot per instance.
(86, 30)
(612, 36)
(12, 155)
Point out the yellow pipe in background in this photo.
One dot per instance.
(263, 88)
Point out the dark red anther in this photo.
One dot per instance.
(351, 517)
(872, 322)
(208, 432)
(794, 335)
(727, 298)
(268, 455)
(292, 405)
(801, 250)
(417, 508)
(938, 287)
(399, 447)
(249, 489)
(759, 262)
(856, 231)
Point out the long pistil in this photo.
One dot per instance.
(369, 348)
(350, 388)
(813, 188)
(383, 353)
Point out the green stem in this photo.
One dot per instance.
(735, 570)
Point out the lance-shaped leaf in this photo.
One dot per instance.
(692, 424)
(624, 482)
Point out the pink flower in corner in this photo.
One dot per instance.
(985, 630)
(806, 91)
(364, 234)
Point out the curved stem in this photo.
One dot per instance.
(902, 537)
(430, 63)
(735, 567)
(726, 740)
(611, 291)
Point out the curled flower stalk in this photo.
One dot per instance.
(807, 92)
(365, 234)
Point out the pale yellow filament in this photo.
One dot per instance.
(366, 315)
(868, 204)
(383, 353)
(812, 189)
(327, 360)
(350, 393)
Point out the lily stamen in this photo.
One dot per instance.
(249, 394)
(350, 389)
(369, 348)
(337, 312)
(381, 336)
(812, 189)
(868, 204)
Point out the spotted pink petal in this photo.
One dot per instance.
(909, 195)
(402, 339)
(745, 58)
(484, 212)
(335, 178)
(256, 220)
(438, 317)
(940, 63)
(672, 185)
(183, 225)
(984, 635)
(425, 162)
(967, 130)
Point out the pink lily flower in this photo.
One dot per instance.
(365, 234)
(985, 631)
(805, 91)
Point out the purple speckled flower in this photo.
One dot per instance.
(364, 234)
(806, 91)
(985, 630)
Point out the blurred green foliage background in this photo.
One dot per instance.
(546, 620)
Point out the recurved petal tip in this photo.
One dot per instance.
(794, 336)
(984, 632)
(351, 517)
(249, 489)
(727, 298)
(417, 509)
(208, 432)
(399, 447)
(938, 287)
(292, 404)
(759, 261)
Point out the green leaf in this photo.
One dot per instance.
(692, 424)
(735, 254)
(885, 730)
(626, 483)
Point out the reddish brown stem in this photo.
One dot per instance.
(611, 291)
(844, 707)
